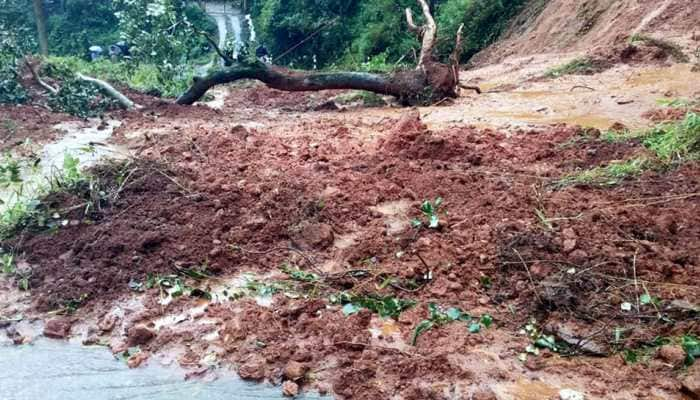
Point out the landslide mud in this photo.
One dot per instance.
(264, 182)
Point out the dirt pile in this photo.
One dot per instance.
(560, 26)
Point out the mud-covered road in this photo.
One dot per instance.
(280, 222)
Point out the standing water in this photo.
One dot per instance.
(54, 370)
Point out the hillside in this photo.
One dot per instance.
(556, 26)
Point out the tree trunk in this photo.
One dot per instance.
(410, 87)
(429, 82)
(40, 17)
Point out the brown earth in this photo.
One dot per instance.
(241, 190)
(566, 26)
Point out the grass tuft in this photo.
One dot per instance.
(578, 66)
(671, 48)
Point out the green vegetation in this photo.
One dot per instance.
(372, 34)
(669, 47)
(670, 144)
(385, 306)
(538, 341)
(577, 66)
(439, 317)
(609, 175)
(676, 141)
(431, 213)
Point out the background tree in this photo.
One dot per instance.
(40, 18)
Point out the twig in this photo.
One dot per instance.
(38, 79)
(581, 87)
(634, 274)
(529, 275)
(348, 343)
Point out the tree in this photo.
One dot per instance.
(430, 81)
(40, 17)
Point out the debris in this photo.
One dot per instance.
(58, 328)
(139, 335)
(290, 389)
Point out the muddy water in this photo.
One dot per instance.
(53, 370)
(84, 141)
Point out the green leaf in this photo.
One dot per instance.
(474, 327)
(486, 320)
(691, 345)
(350, 309)
(547, 342)
(454, 313)
(434, 221)
(423, 326)
(630, 356)
(645, 299)
(416, 223)
(427, 208)
(438, 202)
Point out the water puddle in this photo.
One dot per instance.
(85, 142)
(53, 370)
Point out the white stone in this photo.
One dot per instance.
(569, 394)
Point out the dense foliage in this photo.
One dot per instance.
(374, 31)
(15, 40)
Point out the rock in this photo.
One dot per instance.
(139, 335)
(672, 354)
(137, 359)
(107, 322)
(569, 245)
(569, 394)
(691, 383)
(315, 236)
(253, 368)
(290, 389)
(294, 370)
(58, 328)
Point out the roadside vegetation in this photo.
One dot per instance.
(669, 144)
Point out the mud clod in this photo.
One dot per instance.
(290, 389)
(139, 335)
(58, 328)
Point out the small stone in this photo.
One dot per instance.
(290, 389)
(455, 286)
(139, 335)
(672, 354)
(294, 370)
(569, 394)
(107, 322)
(57, 328)
(569, 245)
(137, 360)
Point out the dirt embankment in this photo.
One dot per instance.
(569, 26)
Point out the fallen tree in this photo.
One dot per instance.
(429, 82)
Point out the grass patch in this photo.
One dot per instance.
(578, 66)
(609, 175)
(669, 47)
(670, 143)
(677, 141)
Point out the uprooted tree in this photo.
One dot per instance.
(429, 82)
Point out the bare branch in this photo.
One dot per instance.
(457, 52)
(216, 47)
(38, 79)
(412, 24)
(110, 91)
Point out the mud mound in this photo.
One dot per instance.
(409, 137)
